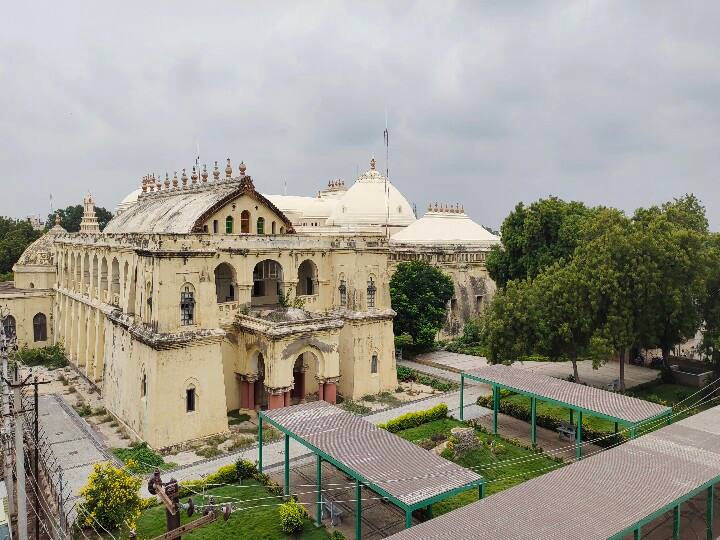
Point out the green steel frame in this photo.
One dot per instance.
(496, 387)
(708, 487)
(359, 479)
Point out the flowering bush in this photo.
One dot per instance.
(292, 517)
(414, 419)
(110, 498)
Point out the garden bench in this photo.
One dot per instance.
(566, 431)
(331, 510)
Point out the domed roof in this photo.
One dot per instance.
(42, 251)
(445, 226)
(367, 203)
(128, 201)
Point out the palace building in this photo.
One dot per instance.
(203, 296)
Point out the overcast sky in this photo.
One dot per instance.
(489, 103)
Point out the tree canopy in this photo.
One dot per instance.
(534, 237)
(71, 216)
(419, 293)
(15, 236)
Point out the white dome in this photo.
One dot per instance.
(366, 203)
(128, 201)
(445, 227)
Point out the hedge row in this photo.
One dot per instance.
(414, 419)
(405, 374)
(521, 411)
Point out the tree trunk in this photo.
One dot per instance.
(621, 357)
(573, 359)
(666, 357)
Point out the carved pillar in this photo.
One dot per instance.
(330, 393)
(327, 389)
(321, 391)
(277, 397)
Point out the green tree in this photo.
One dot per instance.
(675, 242)
(110, 498)
(535, 237)
(710, 305)
(15, 236)
(419, 294)
(71, 216)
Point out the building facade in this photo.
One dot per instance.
(203, 296)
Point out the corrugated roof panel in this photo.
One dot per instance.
(404, 470)
(597, 497)
(578, 395)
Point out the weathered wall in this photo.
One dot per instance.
(23, 306)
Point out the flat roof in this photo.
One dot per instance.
(386, 462)
(577, 396)
(605, 496)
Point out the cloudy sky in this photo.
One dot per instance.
(489, 103)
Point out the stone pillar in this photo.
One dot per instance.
(251, 394)
(275, 401)
(244, 396)
(321, 391)
(100, 350)
(330, 392)
(288, 400)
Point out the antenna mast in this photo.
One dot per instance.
(386, 139)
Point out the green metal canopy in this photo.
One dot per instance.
(402, 472)
(628, 411)
(609, 495)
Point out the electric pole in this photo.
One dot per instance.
(19, 458)
(6, 345)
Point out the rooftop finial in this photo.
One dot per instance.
(184, 178)
(216, 173)
(167, 183)
(372, 163)
(242, 168)
(204, 174)
(228, 169)
(194, 176)
(57, 218)
(174, 181)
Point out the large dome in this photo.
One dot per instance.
(128, 201)
(368, 203)
(42, 251)
(445, 227)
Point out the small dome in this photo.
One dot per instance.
(445, 227)
(128, 201)
(42, 251)
(366, 203)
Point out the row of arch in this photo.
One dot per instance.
(40, 332)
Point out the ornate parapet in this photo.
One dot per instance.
(275, 329)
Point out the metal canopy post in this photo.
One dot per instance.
(358, 511)
(578, 437)
(287, 465)
(260, 442)
(637, 534)
(533, 421)
(318, 487)
(496, 406)
(676, 523)
(710, 516)
(408, 518)
(462, 389)
(481, 490)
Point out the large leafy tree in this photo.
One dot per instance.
(710, 306)
(534, 237)
(71, 216)
(675, 240)
(15, 236)
(419, 294)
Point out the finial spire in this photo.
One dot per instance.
(216, 173)
(243, 168)
(228, 169)
(372, 163)
(204, 174)
(194, 176)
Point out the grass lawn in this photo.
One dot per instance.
(259, 523)
(498, 477)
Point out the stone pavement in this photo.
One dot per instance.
(74, 444)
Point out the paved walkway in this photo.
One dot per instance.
(601, 377)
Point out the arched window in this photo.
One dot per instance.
(187, 305)
(40, 327)
(245, 222)
(9, 326)
(307, 278)
(215, 226)
(143, 385)
(190, 399)
(374, 364)
(342, 289)
(272, 227)
(229, 225)
(261, 225)
(282, 230)
(371, 290)
(224, 283)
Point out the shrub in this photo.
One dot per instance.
(224, 475)
(245, 469)
(140, 458)
(83, 409)
(355, 407)
(241, 442)
(110, 498)
(405, 374)
(292, 517)
(52, 357)
(208, 451)
(414, 419)
(337, 535)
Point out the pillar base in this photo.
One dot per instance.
(276, 401)
(330, 392)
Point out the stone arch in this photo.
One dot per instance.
(132, 290)
(103, 279)
(94, 277)
(307, 278)
(114, 279)
(225, 283)
(267, 283)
